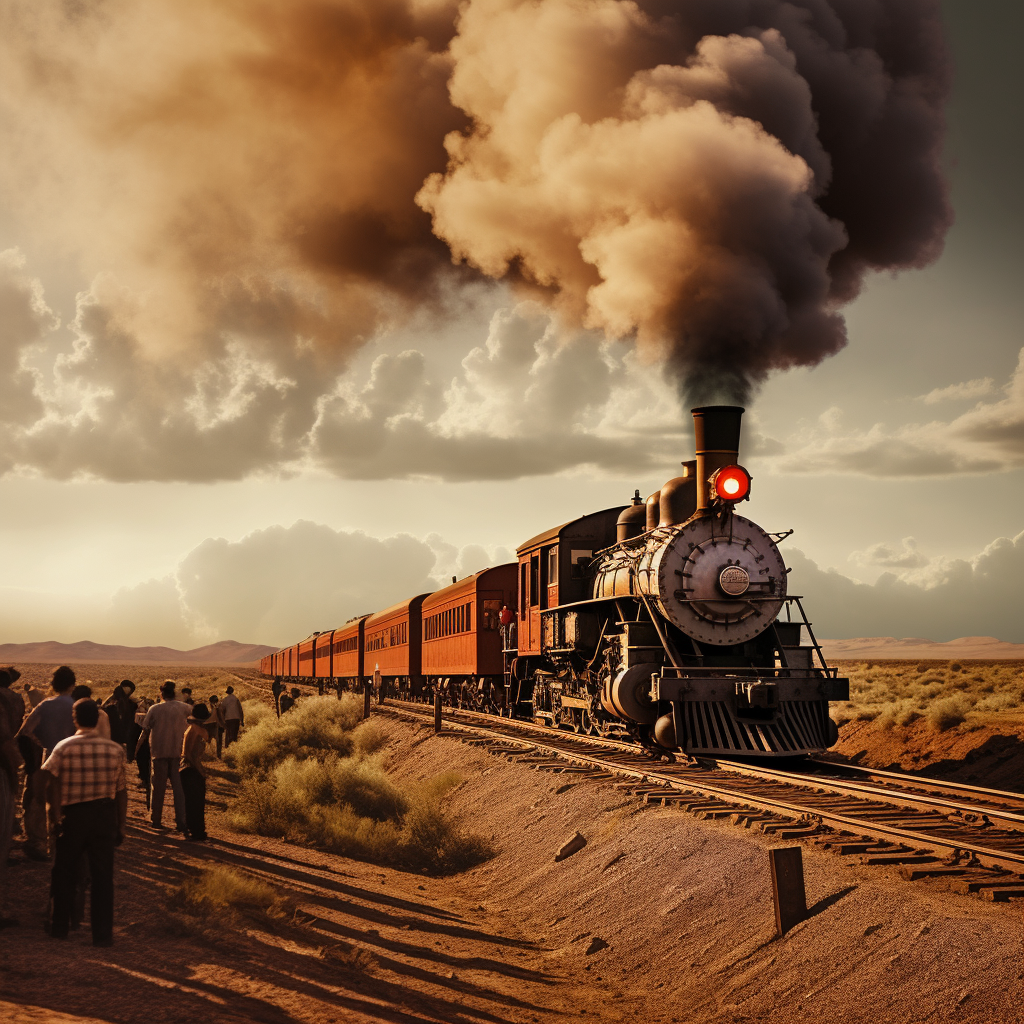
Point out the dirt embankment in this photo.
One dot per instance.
(658, 918)
(989, 754)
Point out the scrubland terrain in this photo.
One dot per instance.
(376, 872)
(204, 680)
(962, 720)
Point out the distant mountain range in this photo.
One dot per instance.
(230, 652)
(973, 648)
(227, 652)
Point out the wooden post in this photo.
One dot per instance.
(787, 887)
(437, 710)
(367, 690)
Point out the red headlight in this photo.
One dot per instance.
(731, 483)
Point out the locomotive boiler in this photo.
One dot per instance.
(668, 621)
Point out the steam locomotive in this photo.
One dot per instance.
(667, 620)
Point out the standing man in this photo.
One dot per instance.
(48, 723)
(217, 722)
(164, 726)
(193, 774)
(86, 785)
(124, 730)
(234, 717)
(277, 688)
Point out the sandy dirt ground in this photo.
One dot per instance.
(659, 918)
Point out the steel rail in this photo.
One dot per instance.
(917, 801)
(865, 826)
(921, 780)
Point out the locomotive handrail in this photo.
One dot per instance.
(810, 633)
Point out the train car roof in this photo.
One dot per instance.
(352, 624)
(556, 531)
(387, 613)
(468, 584)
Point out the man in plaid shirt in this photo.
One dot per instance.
(85, 776)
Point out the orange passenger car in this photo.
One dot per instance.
(346, 665)
(461, 635)
(391, 640)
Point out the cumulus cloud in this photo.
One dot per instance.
(946, 599)
(906, 556)
(987, 438)
(958, 392)
(272, 586)
(531, 399)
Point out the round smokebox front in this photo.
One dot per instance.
(721, 583)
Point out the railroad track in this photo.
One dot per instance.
(972, 836)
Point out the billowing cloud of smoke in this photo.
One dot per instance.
(713, 176)
(262, 188)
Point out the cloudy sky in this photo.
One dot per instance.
(245, 393)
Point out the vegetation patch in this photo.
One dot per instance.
(221, 899)
(945, 695)
(316, 776)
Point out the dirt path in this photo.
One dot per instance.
(658, 918)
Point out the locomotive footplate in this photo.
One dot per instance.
(749, 691)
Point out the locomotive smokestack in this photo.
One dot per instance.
(716, 430)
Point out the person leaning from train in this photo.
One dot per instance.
(193, 774)
(88, 796)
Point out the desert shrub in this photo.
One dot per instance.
(844, 714)
(222, 897)
(948, 713)
(369, 737)
(867, 714)
(1002, 701)
(315, 726)
(350, 807)
(256, 711)
(901, 713)
(955, 666)
(923, 667)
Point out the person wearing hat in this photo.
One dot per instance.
(121, 710)
(193, 774)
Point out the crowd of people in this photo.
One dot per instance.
(64, 761)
